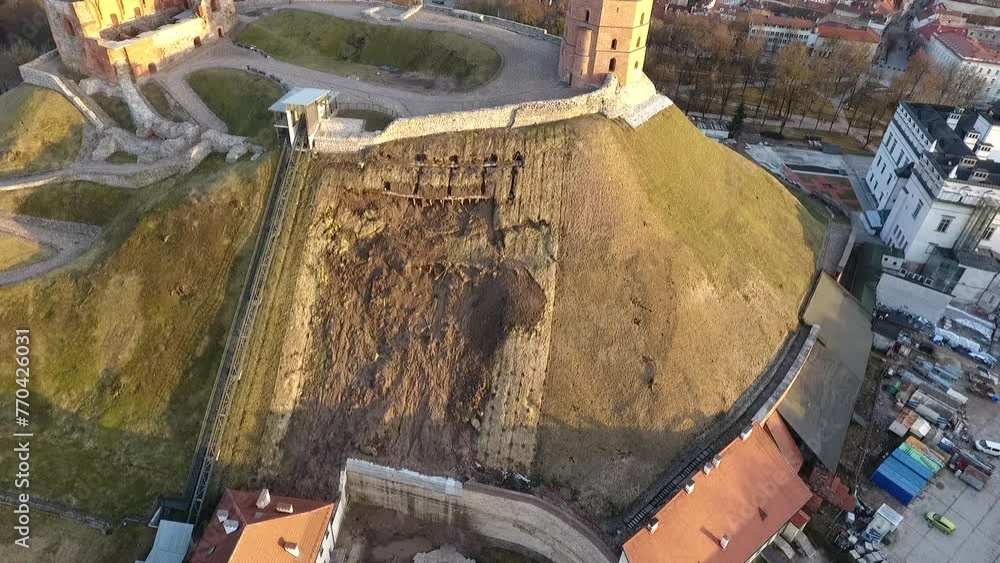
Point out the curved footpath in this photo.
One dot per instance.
(528, 71)
(67, 241)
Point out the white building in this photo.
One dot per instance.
(778, 31)
(952, 48)
(936, 181)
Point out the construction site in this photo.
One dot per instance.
(486, 306)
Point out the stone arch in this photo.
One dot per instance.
(152, 68)
(219, 31)
(114, 19)
(612, 64)
(586, 15)
(614, 44)
(138, 12)
(197, 41)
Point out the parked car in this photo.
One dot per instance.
(988, 447)
(940, 522)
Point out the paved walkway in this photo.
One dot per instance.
(528, 71)
(191, 102)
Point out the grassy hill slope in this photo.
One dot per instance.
(39, 130)
(682, 266)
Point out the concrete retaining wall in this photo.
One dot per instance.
(603, 100)
(34, 73)
(898, 294)
(512, 519)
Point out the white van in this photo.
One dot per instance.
(988, 447)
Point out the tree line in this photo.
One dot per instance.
(712, 66)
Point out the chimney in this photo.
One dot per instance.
(689, 487)
(230, 526)
(222, 515)
(745, 434)
(292, 548)
(707, 469)
(653, 524)
(953, 118)
(284, 508)
(716, 461)
(263, 499)
(724, 542)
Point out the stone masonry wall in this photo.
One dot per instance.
(34, 73)
(519, 521)
(524, 114)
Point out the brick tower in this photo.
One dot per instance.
(604, 36)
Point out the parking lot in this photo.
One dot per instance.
(976, 513)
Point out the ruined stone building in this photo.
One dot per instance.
(602, 37)
(96, 36)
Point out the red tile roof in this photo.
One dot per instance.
(783, 438)
(750, 496)
(838, 31)
(929, 31)
(262, 534)
(968, 48)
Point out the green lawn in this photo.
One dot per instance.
(240, 99)
(39, 130)
(117, 109)
(846, 143)
(350, 47)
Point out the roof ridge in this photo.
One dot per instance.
(283, 515)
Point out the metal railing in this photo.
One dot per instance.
(292, 159)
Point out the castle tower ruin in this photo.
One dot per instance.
(103, 37)
(602, 37)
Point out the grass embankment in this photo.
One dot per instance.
(681, 273)
(55, 539)
(39, 130)
(124, 352)
(117, 110)
(347, 47)
(240, 99)
(160, 100)
(17, 251)
(125, 343)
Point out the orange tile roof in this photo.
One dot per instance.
(837, 31)
(750, 496)
(783, 438)
(262, 534)
(968, 49)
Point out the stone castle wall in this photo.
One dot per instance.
(36, 74)
(603, 100)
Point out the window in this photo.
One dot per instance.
(138, 12)
(944, 224)
(916, 210)
(586, 16)
(611, 65)
(642, 18)
(215, 5)
(638, 41)
(114, 19)
(988, 235)
(614, 44)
